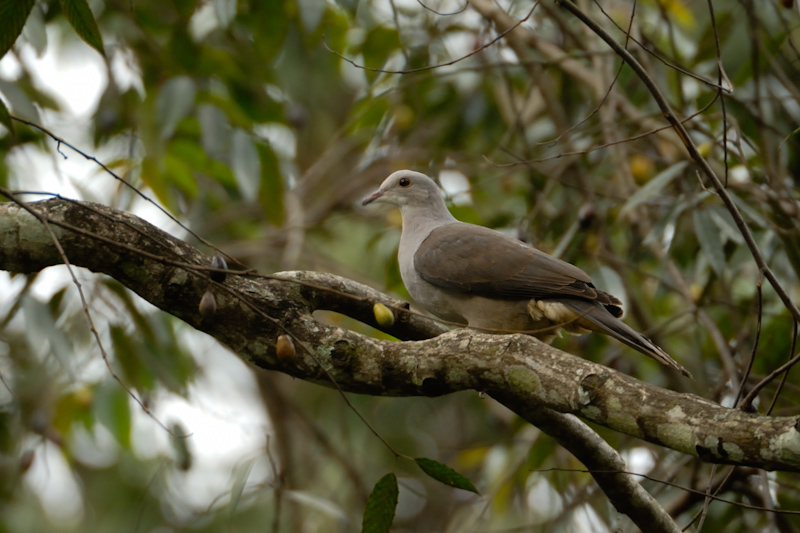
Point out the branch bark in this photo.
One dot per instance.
(538, 382)
(252, 311)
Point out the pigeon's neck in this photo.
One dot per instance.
(418, 222)
(416, 218)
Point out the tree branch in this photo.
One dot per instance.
(520, 371)
(607, 467)
(540, 383)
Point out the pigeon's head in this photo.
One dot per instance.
(407, 189)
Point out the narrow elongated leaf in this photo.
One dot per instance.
(725, 223)
(112, 410)
(246, 164)
(41, 326)
(653, 187)
(214, 132)
(35, 32)
(179, 439)
(710, 239)
(127, 352)
(5, 117)
(241, 473)
(271, 192)
(225, 10)
(173, 104)
(381, 505)
(445, 474)
(82, 21)
(268, 26)
(13, 14)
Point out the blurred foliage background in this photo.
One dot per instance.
(255, 124)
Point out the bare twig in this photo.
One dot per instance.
(466, 4)
(785, 374)
(45, 221)
(760, 301)
(439, 65)
(677, 125)
(676, 485)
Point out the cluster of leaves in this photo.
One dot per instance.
(246, 125)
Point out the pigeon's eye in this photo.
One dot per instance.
(404, 182)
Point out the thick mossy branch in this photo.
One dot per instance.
(521, 372)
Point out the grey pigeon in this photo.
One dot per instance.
(480, 278)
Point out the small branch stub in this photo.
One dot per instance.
(218, 262)
(208, 304)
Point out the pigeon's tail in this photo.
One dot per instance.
(595, 317)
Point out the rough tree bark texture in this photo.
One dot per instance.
(538, 382)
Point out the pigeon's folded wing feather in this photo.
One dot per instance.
(473, 259)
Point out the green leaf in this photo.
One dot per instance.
(173, 104)
(271, 191)
(113, 412)
(214, 129)
(240, 475)
(127, 352)
(710, 238)
(369, 113)
(378, 46)
(178, 173)
(73, 408)
(179, 438)
(653, 187)
(246, 164)
(268, 24)
(445, 474)
(35, 32)
(540, 452)
(80, 17)
(42, 325)
(724, 221)
(381, 505)
(13, 14)
(5, 117)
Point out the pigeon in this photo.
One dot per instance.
(476, 277)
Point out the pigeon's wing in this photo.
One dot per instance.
(472, 259)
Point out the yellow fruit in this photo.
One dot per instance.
(695, 291)
(404, 117)
(642, 168)
(383, 315)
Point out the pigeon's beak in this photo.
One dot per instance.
(372, 197)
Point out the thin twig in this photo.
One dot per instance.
(439, 65)
(721, 76)
(45, 221)
(760, 302)
(670, 484)
(677, 125)
(466, 4)
(605, 96)
(785, 374)
(195, 270)
(636, 137)
(772, 375)
(682, 70)
(140, 194)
